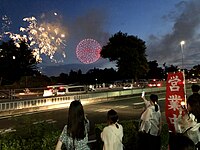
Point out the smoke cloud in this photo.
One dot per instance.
(186, 23)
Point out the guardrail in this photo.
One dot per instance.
(42, 104)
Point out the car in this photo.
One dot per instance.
(111, 86)
(193, 81)
(91, 88)
(128, 86)
(142, 83)
(154, 83)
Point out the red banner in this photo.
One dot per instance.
(175, 94)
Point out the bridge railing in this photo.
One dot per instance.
(47, 102)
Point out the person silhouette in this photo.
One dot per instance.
(195, 90)
(182, 143)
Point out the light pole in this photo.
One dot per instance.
(182, 46)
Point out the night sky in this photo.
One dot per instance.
(161, 23)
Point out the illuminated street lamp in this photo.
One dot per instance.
(182, 46)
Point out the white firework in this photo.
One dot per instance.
(43, 38)
(5, 25)
(46, 38)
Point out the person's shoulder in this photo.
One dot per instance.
(106, 128)
(65, 127)
(193, 98)
(151, 108)
(119, 124)
(190, 97)
(194, 94)
(196, 127)
(87, 122)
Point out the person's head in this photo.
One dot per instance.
(182, 143)
(76, 120)
(195, 88)
(112, 116)
(154, 100)
(193, 104)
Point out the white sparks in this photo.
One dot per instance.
(43, 38)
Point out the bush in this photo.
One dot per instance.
(41, 136)
(44, 136)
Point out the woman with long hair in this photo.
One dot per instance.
(75, 134)
(113, 133)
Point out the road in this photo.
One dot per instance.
(25, 93)
(127, 108)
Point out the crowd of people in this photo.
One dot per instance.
(75, 134)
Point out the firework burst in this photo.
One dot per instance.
(5, 26)
(43, 38)
(88, 51)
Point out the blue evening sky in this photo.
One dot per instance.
(161, 23)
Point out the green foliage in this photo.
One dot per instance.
(129, 54)
(32, 81)
(155, 72)
(17, 60)
(44, 136)
(130, 139)
(164, 137)
(194, 72)
(41, 136)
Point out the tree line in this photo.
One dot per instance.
(17, 63)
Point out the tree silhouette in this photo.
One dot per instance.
(15, 62)
(194, 72)
(155, 72)
(172, 68)
(129, 54)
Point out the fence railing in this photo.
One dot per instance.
(56, 102)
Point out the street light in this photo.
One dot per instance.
(182, 44)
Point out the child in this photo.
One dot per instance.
(113, 133)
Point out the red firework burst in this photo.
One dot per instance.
(88, 51)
